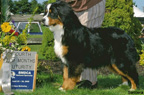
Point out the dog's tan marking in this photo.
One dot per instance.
(65, 72)
(54, 21)
(112, 69)
(59, 18)
(46, 11)
(65, 50)
(133, 84)
(50, 11)
(69, 83)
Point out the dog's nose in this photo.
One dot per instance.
(43, 20)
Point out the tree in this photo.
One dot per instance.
(11, 3)
(15, 7)
(21, 6)
(34, 4)
(40, 8)
(5, 13)
(25, 6)
(0, 13)
(119, 13)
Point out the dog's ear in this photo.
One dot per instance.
(63, 10)
(45, 9)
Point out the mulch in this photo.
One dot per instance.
(56, 67)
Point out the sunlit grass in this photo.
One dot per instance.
(107, 85)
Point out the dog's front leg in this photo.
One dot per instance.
(71, 75)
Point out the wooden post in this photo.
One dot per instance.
(35, 72)
(1, 62)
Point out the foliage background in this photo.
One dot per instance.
(4, 11)
(47, 45)
(119, 13)
(25, 7)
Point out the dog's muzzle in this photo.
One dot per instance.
(43, 22)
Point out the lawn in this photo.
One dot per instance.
(37, 48)
(35, 36)
(108, 85)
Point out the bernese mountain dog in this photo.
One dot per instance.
(80, 47)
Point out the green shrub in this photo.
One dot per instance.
(48, 44)
(119, 13)
(44, 74)
(142, 58)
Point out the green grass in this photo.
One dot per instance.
(37, 48)
(108, 85)
(35, 36)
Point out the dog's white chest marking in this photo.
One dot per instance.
(58, 48)
(58, 33)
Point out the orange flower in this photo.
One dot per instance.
(5, 27)
(26, 48)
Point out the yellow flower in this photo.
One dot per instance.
(26, 48)
(6, 40)
(13, 39)
(22, 37)
(5, 27)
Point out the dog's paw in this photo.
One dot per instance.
(132, 89)
(61, 89)
(124, 83)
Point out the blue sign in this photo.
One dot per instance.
(22, 79)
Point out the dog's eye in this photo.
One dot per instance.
(52, 14)
(46, 11)
(50, 11)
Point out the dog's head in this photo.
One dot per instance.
(56, 13)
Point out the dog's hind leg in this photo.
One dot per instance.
(124, 80)
(132, 72)
(130, 78)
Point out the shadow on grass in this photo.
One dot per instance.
(47, 78)
(110, 81)
(141, 82)
(104, 82)
(113, 81)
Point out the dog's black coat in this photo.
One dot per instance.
(95, 47)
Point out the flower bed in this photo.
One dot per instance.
(10, 38)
